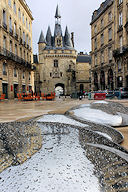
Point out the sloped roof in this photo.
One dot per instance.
(41, 39)
(83, 59)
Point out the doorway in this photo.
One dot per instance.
(5, 89)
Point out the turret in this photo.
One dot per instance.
(67, 39)
(49, 37)
(41, 42)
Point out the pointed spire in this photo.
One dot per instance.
(41, 39)
(49, 37)
(67, 38)
(57, 14)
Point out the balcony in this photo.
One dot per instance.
(4, 25)
(126, 26)
(120, 28)
(11, 31)
(24, 43)
(16, 36)
(9, 55)
(20, 41)
(120, 51)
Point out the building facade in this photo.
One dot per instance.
(16, 56)
(58, 64)
(109, 69)
(57, 60)
(83, 67)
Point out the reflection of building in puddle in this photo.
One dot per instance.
(54, 129)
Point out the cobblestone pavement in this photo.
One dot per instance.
(15, 111)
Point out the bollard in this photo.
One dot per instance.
(119, 97)
(89, 96)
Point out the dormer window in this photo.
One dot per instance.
(58, 42)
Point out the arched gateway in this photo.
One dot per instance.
(57, 59)
(59, 89)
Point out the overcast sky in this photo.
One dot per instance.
(76, 14)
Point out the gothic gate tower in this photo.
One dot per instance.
(57, 59)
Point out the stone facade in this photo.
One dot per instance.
(16, 56)
(109, 46)
(83, 66)
(57, 61)
(57, 66)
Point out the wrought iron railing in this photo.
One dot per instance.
(13, 57)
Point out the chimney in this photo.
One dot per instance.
(72, 38)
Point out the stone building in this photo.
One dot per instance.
(57, 60)
(59, 65)
(16, 56)
(109, 69)
(83, 66)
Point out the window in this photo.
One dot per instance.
(95, 60)
(19, 13)
(119, 65)
(121, 43)
(102, 39)
(15, 29)
(9, 3)
(102, 57)
(55, 63)
(4, 17)
(23, 18)
(110, 53)
(14, 7)
(4, 69)
(27, 39)
(23, 75)
(110, 34)
(102, 23)
(29, 26)
(61, 74)
(21, 52)
(24, 54)
(23, 37)
(10, 46)
(10, 24)
(29, 43)
(27, 57)
(95, 43)
(50, 74)
(120, 19)
(15, 49)
(26, 23)
(4, 42)
(29, 76)
(15, 72)
(30, 58)
(95, 29)
(20, 33)
(120, 1)
(110, 16)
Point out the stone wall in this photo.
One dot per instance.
(18, 142)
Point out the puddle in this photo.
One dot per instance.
(61, 165)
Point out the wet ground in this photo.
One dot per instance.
(61, 165)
